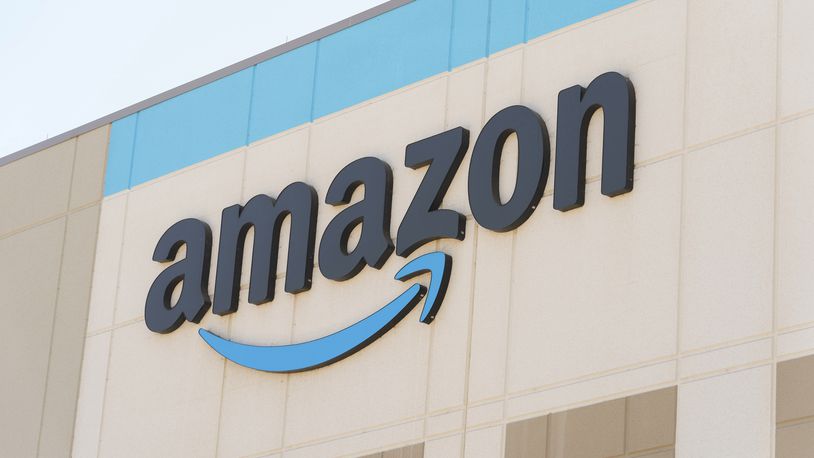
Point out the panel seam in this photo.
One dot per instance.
(133, 152)
(777, 161)
(56, 303)
(251, 106)
(314, 84)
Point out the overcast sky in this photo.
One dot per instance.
(68, 62)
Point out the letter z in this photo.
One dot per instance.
(424, 221)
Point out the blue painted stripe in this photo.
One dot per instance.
(397, 48)
(382, 54)
(507, 20)
(470, 24)
(194, 126)
(120, 154)
(282, 92)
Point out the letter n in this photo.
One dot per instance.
(615, 95)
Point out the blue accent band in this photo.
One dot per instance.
(382, 54)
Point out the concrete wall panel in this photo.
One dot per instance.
(36, 188)
(30, 281)
(67, 341)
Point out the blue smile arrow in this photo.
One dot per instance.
(329, 349)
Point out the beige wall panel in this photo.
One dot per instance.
(731, 69)
(29, 278)
(91, 395)
(446, 385)
(274, 163)
(490, 315)
(504, 82)
(106, 266)
(163, 393)
(68, 336)
(646, 44)
(444, 447)
(596, 288)
(727, 357)
(796, 49)
(443, 423)
(728, 228)
(484, 443)
(36, 187)
(592, 389)
(795, 343)
(795, 223)
(89, 168)
(726, 416)
(484, 414)
(465, 98)
(386, 381)
(253, 404)
(267, 324)
(199, 192)
(362, 443)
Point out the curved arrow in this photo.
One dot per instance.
(331, 348)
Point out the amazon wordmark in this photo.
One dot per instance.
(440, 155)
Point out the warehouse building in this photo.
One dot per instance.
(439, 228)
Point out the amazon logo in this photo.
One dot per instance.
(425, 221)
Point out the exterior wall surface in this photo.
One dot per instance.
(695, 284)
(50, 211)
(671, 284)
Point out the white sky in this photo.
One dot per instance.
(67, 62)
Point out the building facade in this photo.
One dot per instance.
(521, 228)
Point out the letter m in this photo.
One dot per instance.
(297, 200)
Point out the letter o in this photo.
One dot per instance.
(534, 155)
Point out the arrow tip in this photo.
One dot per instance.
(439, 266)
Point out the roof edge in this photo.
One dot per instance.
(206, 79)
